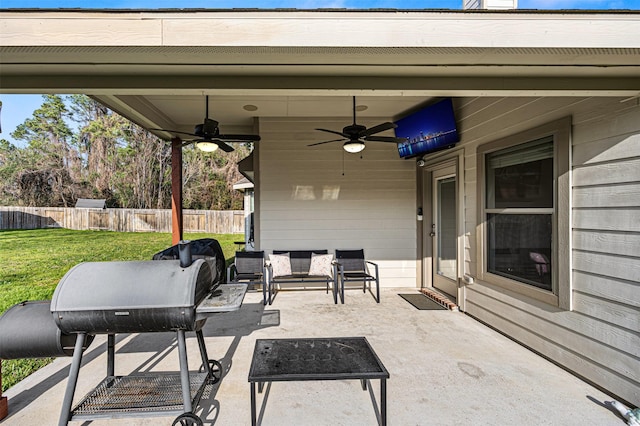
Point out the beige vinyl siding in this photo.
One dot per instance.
(598, 338)
(307, 203)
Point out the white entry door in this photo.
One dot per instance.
(444, 231)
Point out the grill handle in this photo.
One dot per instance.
(184, 250)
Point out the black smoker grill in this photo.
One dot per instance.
(145, 296)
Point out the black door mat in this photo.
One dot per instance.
(422, 302)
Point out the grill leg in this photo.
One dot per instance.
(184, 371)
(203, 353)
(111, 355)
(72, 381)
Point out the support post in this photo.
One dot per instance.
(176, 190)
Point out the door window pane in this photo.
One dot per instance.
(446, 232)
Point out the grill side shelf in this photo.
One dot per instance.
(225, 298)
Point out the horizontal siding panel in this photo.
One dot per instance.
(625, 220)
(330, 189)
(336, 173)
(608, 173)
(626, 268)
(615, 127)
(534, 112)
(615, 290)
(485, 110)
(333, 195)
(592, 328)
(622, 243)
(600, 109)
(348, 210)
(625, 195)
(390, 236)
(614, 313)
(568, 338)
(407, 230)
(612, 148)
(625, 387)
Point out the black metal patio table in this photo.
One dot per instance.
(336, 358)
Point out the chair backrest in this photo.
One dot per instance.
(300, 259)
(249, 262)
(351, 260)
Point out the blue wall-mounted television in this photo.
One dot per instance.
(429, 129)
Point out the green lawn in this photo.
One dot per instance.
(33, 261)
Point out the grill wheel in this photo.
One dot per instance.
(187, 419)
(215, 368)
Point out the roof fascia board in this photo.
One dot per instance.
(321, 29)
(420, 86)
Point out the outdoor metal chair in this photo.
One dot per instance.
(249, 267)
(352, 266)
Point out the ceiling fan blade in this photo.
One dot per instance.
(385, 139)
(320, 143)
(334, 132)
(377, 129)
(223, 146)
(239, 138)
(176, 131)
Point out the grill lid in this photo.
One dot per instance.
(131, 285)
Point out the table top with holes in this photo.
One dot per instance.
(332, 358)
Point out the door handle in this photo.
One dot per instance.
(433, 230)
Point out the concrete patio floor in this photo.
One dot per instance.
(446, 369)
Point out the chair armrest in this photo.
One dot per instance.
(231, 271)
(375, 265)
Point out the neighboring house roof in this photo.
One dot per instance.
(242, 185)
(89, 203)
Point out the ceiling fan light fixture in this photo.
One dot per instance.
(353, 146)
(206, 146)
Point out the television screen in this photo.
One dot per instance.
(430, 129)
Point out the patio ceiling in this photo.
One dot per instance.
(154, 67)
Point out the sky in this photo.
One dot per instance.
(17, 108)
(310, 4)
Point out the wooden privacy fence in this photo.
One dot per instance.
(121, 220)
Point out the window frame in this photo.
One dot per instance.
(560, 295)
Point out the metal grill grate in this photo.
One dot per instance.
(145, 393)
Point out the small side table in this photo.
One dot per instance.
(337, 358)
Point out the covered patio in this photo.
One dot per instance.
(445, 368)
(514, 77)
